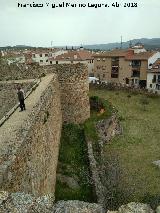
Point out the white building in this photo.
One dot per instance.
(153, 77)
(139, 48)
(42, 56)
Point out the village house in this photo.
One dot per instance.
(127, 66)
(74, 57)
(153, 77)
(42, 56)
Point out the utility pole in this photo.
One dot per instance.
(130, 44)
(121, 42)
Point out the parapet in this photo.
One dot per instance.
(30, 142)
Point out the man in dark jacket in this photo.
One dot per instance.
(21, 99)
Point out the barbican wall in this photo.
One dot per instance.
(29, 148)
(73, 80)
(30, 142)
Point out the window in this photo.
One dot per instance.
(91, 74)
(136, 81)
(135, 73)
(50, 62)
(154, 79)
(115, 67)
(114, 72)
(136, 63)
(98, 67)
(40, 55)
(157, 86)
(56, 62)
(46, 55)
(46, 60)
(103, 75)
(150, 85)
(103, 67)
(41, 61)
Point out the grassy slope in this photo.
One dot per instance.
(139, 145)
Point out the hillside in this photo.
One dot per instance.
(153, 43)
(149, 44)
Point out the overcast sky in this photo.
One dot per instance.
(75, 26)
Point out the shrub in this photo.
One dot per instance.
(96, 103)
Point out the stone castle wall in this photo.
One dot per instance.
(73, 79)
(8, 95)
(74, 93)
(30, 161)
(29, 158)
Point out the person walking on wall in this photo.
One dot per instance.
(20, 94)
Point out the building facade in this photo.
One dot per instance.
(124, 66)
(74, 57)
(153, 77)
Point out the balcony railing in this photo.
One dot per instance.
(135, 74)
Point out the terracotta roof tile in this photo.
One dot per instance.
(141, 56)
(128, 54)
(74, 55)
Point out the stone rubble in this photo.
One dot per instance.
(134, 208)
(26, 203)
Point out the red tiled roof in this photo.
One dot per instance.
(74, 55)
(128, 54)
(113, 53)
(141, 56)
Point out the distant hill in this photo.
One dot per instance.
(17, 47)
(149, 44)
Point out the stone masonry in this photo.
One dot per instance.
(30, 142)
(74, 93)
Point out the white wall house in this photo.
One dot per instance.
(153, 77)
(139, 48)
(153, 59)
(41, 58)
(153, 81)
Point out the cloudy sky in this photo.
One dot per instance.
(38, 26)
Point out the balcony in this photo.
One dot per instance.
(136, 64)
(135, 74)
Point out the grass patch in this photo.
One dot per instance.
(137, 148)
(89, 125)
(73, 162)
